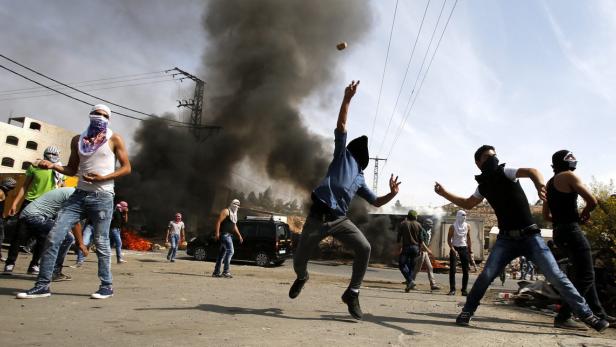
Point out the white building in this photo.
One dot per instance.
(23, 140)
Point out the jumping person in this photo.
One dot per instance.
(561, 209)
(518, 234)
(93, 157)
(330, 203)
(459, 241)
(175, 236)
(410, 233)
(225, 226)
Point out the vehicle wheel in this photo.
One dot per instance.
(200, 253)
(262, 258)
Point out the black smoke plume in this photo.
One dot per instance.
(262, 60)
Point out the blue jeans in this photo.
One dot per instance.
(98, 207)
(87, 239)
(406, 262)
(116, 240)
(175, 240)
(224, 253)
(63, 251)
(534, 248)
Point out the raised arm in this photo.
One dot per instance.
(537, 179)
(349, 91)
(466, 204)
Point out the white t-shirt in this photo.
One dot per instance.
(176, 228)
(459, 235)
(510, 172)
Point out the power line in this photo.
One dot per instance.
(424, 77)
(408, 65)
(85, 93)
(90, 90)
(391, 31)
(89, 82)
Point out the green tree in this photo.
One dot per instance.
(601, 229)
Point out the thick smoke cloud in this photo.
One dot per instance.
(262, 60)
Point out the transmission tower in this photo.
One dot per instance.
(195, 105)
(375, 182)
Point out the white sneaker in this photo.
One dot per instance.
(8, 269)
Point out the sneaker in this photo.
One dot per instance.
(8, 269)
(351, 298)
(409, 286)
(77, 265)
(464, 318)
(464, 292)
(226, 275)
(435, 287)
(33, 270)
(596, 323)
(2, 259)
(61, 277)
(103, 292)
(452, 292)
(172, 260)
(297, 286)
(569, 324)
(36, 292)
(608, 318)
(121, 261)
(216, 274)
(25, 249)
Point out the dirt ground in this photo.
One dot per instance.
(163, 304)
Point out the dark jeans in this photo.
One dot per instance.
(316, 228)
(453, 261)
(20, 236)
(570, 238)
(534, 248)
(406, 261)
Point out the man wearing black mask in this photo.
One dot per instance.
(518, 234)
(561, 209)
(330, 203)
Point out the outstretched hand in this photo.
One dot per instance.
(350, 90)
(394, 185)
(438, 189)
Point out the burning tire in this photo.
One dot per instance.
(262, 258)
(200, 253)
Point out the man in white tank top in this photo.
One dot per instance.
(93, 158)
(459, 241)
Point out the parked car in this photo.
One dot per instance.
(266, 241)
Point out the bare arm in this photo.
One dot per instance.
(237, 232)
(223, 214)
(20, 195)
(394, 188)
(537, 179)
(125, 217)
(182, 234)
(73, 161)
(466, 204)
(468, 240)
(578, 186)
(545, 210)
(449, 237)
(349, 91)
(77, 232)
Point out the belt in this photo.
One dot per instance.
(321, 211)
(519, 233)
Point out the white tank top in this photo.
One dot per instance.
(459, 235)
(101, 162)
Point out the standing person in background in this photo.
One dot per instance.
(175, 236)
(225, 226)
(424, 257)
(459, 241)
(409, 233)
(38, 182)
(6, 186)
(118, 221)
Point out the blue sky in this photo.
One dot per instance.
(529, 77)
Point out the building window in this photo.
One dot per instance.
(35, 126)
(8, 162)
(12, 140)
(26, 165)
(31, 145)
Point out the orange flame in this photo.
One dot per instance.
(132, 241)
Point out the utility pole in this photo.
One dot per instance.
(375, 182)
(195, 105)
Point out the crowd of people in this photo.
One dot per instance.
(54, 217)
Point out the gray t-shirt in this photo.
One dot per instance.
(48, 204)
(175, 228)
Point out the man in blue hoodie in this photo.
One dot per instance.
(330, 204)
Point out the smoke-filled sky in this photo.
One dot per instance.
(517, 75)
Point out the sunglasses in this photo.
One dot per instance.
(97, 113)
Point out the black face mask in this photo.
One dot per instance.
(359, 150)
(563, 160)
(490, 165)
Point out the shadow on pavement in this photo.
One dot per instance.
(179, 273)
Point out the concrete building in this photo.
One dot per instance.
(23, 140)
